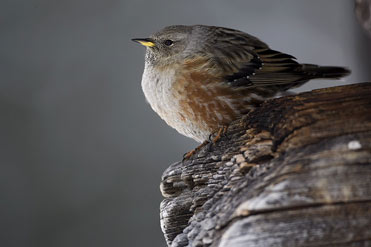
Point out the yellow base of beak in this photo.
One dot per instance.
(147, 43)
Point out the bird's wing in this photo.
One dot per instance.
(266, 68)
(245, 61)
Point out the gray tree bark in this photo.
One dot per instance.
(294, 172)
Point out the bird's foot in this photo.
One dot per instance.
(212, 140)
(221, 132)
(188, 155)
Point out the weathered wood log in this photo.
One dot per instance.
(294, 172)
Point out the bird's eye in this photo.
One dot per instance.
(168, 42)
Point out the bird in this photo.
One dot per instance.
(200, 78)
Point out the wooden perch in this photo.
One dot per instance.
(294, 172)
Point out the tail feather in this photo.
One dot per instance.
(315, 71)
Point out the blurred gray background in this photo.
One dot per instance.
(81, 151)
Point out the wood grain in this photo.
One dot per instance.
(294, 172)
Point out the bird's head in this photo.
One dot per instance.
(171, 44)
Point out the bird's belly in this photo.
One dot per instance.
(172, 105)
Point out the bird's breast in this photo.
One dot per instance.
(172, 102)
(156, 85)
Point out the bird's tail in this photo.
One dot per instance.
(315, 71)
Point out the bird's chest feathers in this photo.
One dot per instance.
(157, 87)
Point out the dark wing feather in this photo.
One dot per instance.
(245, 61)
(278, 69)
(266, 68)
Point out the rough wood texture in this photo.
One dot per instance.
(295, 172)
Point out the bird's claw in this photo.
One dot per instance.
(189, 154)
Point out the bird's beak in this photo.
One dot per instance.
(146, 42)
